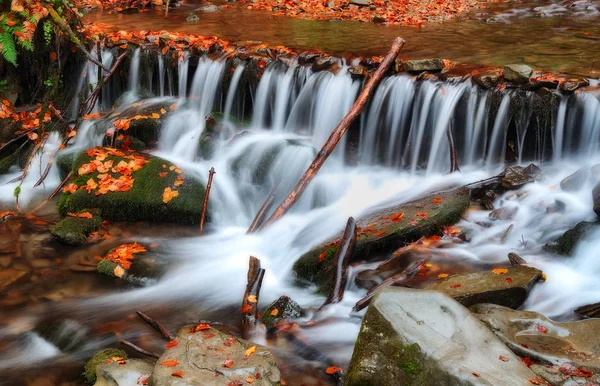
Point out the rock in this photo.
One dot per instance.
(143, 269)
(509, 289)
(123, 373)
(360, 2)
(207, 8)
(75, 230)
(504, 213)
(393, 226)
(423, 65)
(488, 79)
(68, 335)
(9, 277)
(192, 18)
(101, 357)
(576, 180)
(565, 244)
(514, 177)
(517, 73)
(283, 308)
(378, 19)
(212, 358)
(64, 162)
(570, 85)
(596, 198)
(144, 200)
(534, 335)
(414, 337)
(323, 63)
(534, 171)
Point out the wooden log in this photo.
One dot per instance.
(264, 209)
(337, 133)
(341, 260)
(250, 301)
(397, 279)
(211, 172)
(155, 325)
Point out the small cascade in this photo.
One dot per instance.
(134, 74)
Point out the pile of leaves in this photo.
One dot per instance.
(30, 120)
(409, 13)
(123, 254)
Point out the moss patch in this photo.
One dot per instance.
(75, 230)
(102, 356)
(565, 244)
(283, 308)
(144, 201)
(379, 233)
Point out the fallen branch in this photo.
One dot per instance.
(37, 147)
(211, 172)
(139, 349)
(65, 27)
(53, 194)
(397, 279)
(515, 259)
(341, 261)
(337, 133)
(264, 209)
(250, 302)
(453, 157)
(96, 92)
(155, 325)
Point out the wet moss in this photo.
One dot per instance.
(75, 230)
(144, 201)
(101, 356)
(7, 162)
(565, 244)
(287, 309)
(64, 162)
(107, 267)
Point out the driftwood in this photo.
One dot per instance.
(397, 279)
(138, 349)
(453, 157)
(341, 261)
(337, 133)
(250, 302)
(155, 325)
(205, 203)
(264, 209)
(516, 259)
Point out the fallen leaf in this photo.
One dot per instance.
(246, 308)
(249, 379)
(476, 374)
(333, 370)
(80, 215)
(442, 275)
(456, 286)
(251, 350)
(541, 329)
(70, 188)
(274, 312)
(499, 271)
(143, 379)
(503, 358)
(508, 280)
(322, 256)
(200, 327)
(168, 194)
(178, 374)
(436, 200)
(172, 344)
(228, 363)
(252, 299)
(169, 363)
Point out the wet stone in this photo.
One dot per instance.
(423, 65)
(596, 198)
(488, 79)
(515, 177)
(283, 308)
(123, 373)
(576, 180)
(565, 244)
(517, 73)
(509, 288)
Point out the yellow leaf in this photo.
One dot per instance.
(499, 271)
(251, 350)
(252, 299)
(442, 275)
(155, 115)
(119, 271)
(274, 312)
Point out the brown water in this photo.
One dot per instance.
(545, 43)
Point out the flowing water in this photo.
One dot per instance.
(397, 151)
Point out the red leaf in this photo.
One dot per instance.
(503, 358)
(178, 374)
(541, 329)
(172, 344)
(228, 363)
(169, 363)
(333, 370)
(476, 374)
(322, 256)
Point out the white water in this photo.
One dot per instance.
(404, 126)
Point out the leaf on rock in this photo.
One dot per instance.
(169, 363)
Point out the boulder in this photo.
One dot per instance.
(576, 180)
(385, 230)
(596, 198)
(505, 286)
(112, 354)
(208, 357)
(534, 335)
(283, 308)
(73, 230)
(565, 244)
(156, 193)
(415, 337)
(514, 177)
(488, 79)
(423, 65)
(517, 73)
(123, 373)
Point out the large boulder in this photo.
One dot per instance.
(415, 337)
(505, 286)
(577, 180)
(136, 187)
(534, 335)
(385, 230)
(208, 357)
(565, 244)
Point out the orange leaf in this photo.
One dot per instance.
(155, 115)
(252, 299)
(169, 363)
(143, 379)
(333, 370)
(541, 329)
(168, 194)
(246, 308)
(228, 363)
(172, 344)
(178, 374)
(251, 350)
(499, 271)
(72, 133)
(249, 379)
(436, 200)
(163, 111)
(322, 256)
(32, 135)
(80, 215)
(162, 174)
(70, 188)
(274, 312)
(200, 327)
(442, 275)
(503, 358)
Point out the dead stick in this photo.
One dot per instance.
(453, 157)
(53, 194)
(211, 172)
(409, 272)
(262, 212)
(337, 133)
(155, 325)
(341, 261)
(250, 302)
(95, 92)
(138, 349)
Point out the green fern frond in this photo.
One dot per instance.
(9, 51)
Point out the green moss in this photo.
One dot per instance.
(75, 230)
(565, 244)
(385, 235)
(64, 162)
(108, 353)
(287, 309)
(106, 267)
(144, 201)
(7, 162)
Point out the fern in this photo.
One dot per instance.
(26, 45)
(9, 51)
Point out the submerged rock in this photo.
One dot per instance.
(159, 191)
(514, 177)
(73, 230)
(283, 308)
(505, 286)
(576, 180)
(534, 335)
(565, 244)
(517, 73)
(123, 373)
(415, 337)
(385, 230)
(209, 357)
(423, 65)
(596, 199)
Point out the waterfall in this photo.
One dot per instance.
(134, 73)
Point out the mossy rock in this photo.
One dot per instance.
(65, 161)
(379, 233)
(144, 201)
(260, 170)
(100, 357)
(75, 230)
(7, 162)
(283, 308)
(565, 244)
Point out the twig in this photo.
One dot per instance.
(211, 172)
(53, 194)
(250, 302)
(337, 133)
(94, 94)
(138, 349)
(264, 209)
(341, 261)
(453, 157)
(155, 325)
